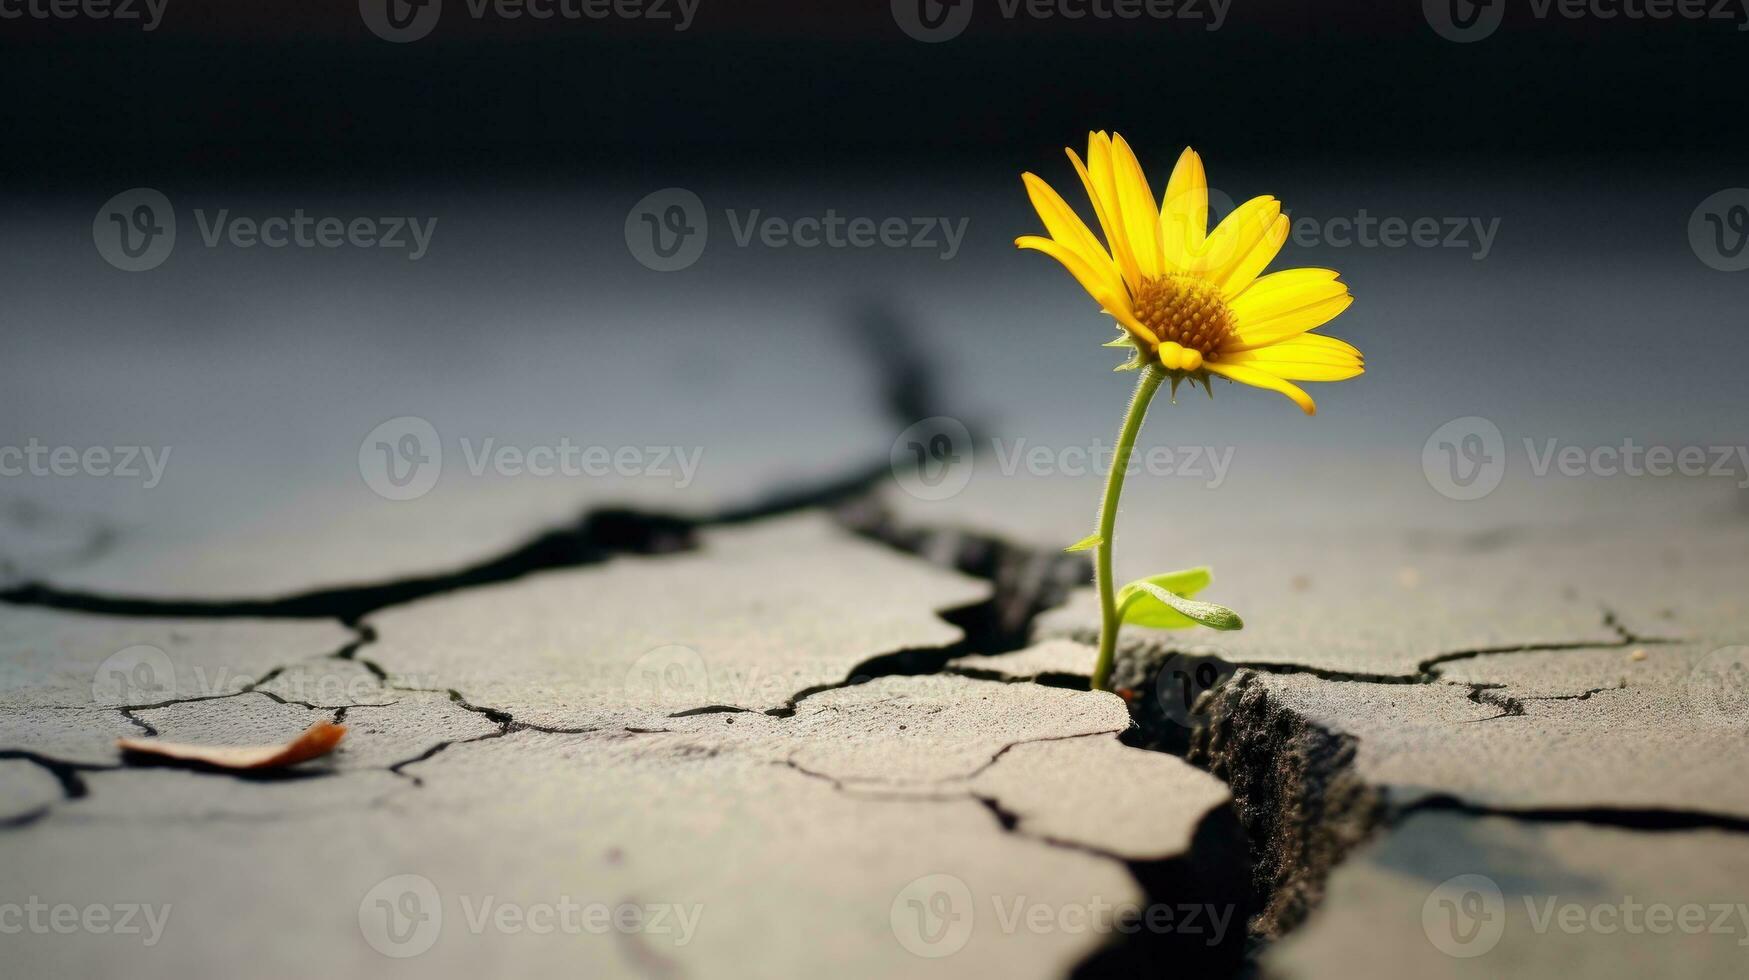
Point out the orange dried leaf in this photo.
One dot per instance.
(317, 740)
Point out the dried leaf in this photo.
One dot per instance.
(317, 740)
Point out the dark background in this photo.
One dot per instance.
(227, 88)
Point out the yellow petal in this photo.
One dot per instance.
(1099, 165)
(1243, 272)
(1291, 277)
(1064, 224)
(1141, 214)
(1184, 211)
(1297, 360)
(1307, 348)
(1234, 238)
(1128, 321)
(1096, 285)
(1107, 225)
(1284, 292)
(1116, 304)
(1245, 374)
(1294, 371)
(1322, 342)
(1250, 335)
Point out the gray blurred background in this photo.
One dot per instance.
(1583, 287)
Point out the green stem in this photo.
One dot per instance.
(1120, 462)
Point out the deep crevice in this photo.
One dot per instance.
(1027, 581)
(1209, 873)
(1293, 782)
(1296, 792)
(1024, 583)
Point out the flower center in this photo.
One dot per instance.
(1184, 310)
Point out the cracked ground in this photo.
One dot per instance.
(802, 719)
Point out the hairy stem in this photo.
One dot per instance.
(1120, 462)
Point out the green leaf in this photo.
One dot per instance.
(1185, 582)
(1087, 543)
(1138, 607)
(1153, 603)
(1142, 609)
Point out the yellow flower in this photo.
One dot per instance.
(1190, 300)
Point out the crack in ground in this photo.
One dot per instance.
(910, 391)
(1025, 582)
(852, 785)
(74, 788)
(1294, 786)
(1486, 695)
(506, 722)
(1291, 781)
(1426, 671)
(66, 774)
(1645, 819)
(1201, 876)
(1513, 707)
(599, 536)
(1294, 782)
